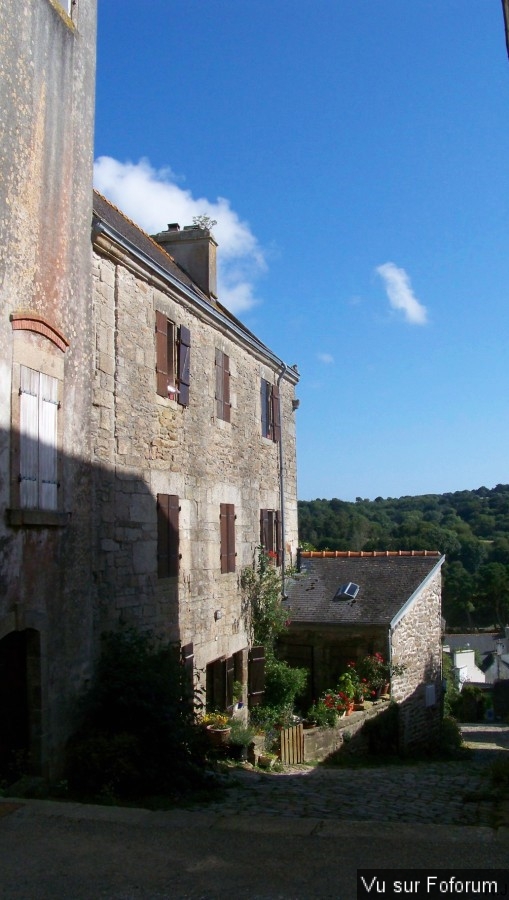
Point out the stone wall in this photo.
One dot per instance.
(416, 644)
(149, 445)
(47, 85)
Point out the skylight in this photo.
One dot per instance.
(347, 591)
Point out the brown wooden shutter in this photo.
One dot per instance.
(187, 656)
(184, 364)
(278, 537)
(276, 414)
(163, 530)
(223, 385)
(256, 676)
(223, 529)
(226, 388)
(227, 537)
(167, 535)
(216, 684)
(162, 354)
(173, 535)
(264, 401)
(230, 674)
(219, 384)
(264, 529)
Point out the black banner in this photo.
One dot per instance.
(467, 884)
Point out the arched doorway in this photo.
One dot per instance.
(20, 704)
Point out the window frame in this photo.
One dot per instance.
(271, 534)
(172, 352)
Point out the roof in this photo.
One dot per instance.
(386, 581)
(107, 212)
(483, 641)
(138, 241)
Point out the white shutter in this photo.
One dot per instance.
(48, 407)
(29, 438)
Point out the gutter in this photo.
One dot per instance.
(282, 489)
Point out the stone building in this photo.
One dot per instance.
(47, 82)
(147, 438)
(346, 604)
(193, 444)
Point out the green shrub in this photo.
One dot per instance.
(469, 704)
(137, 734)
(451, 740)
(283, 684)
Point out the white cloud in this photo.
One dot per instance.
(400, 294)
(152, 198)
(325, 358)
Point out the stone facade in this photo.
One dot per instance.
(46, 130)
(148, 445)
(416, 643)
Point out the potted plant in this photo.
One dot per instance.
(320, 715)
(218, 727)
(241, 737)
(360, 685)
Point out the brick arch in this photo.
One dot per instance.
(30, 321)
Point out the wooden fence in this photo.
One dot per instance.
(292, 745)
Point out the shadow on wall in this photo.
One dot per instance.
(82, 548)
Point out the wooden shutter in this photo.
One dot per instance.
(227, 537)
(265, 407)
(48, 407)
(230, 675)
(167, 535)
(278, 536)
(256, 676)
(264, 529)
(187, 656)
(276, 414)
(223, 385)
(162, 354)
(29, 439)
(184, 365)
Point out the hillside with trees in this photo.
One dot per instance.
(470, 527)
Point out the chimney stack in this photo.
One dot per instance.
(194, 250)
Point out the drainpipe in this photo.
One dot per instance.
(282, 486)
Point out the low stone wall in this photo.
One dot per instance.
(320, 742)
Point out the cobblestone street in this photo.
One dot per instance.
(448, 793)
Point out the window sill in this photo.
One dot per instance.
(47, 518)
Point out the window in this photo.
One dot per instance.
(173, 349)
(271, 418)
(227, 537)
(168, 535)
(270, 533)
(223, 385)
(38, 434)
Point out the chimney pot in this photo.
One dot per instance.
(173, 226)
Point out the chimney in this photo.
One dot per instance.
(194, 250)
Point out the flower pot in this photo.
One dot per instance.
(218, 737)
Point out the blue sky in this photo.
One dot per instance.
(355, 154)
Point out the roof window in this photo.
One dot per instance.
(347, 591)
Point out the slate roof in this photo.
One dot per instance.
(386, 580)
(484, 642)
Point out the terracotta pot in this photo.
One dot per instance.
(218, 737)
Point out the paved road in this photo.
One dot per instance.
(295, 847)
